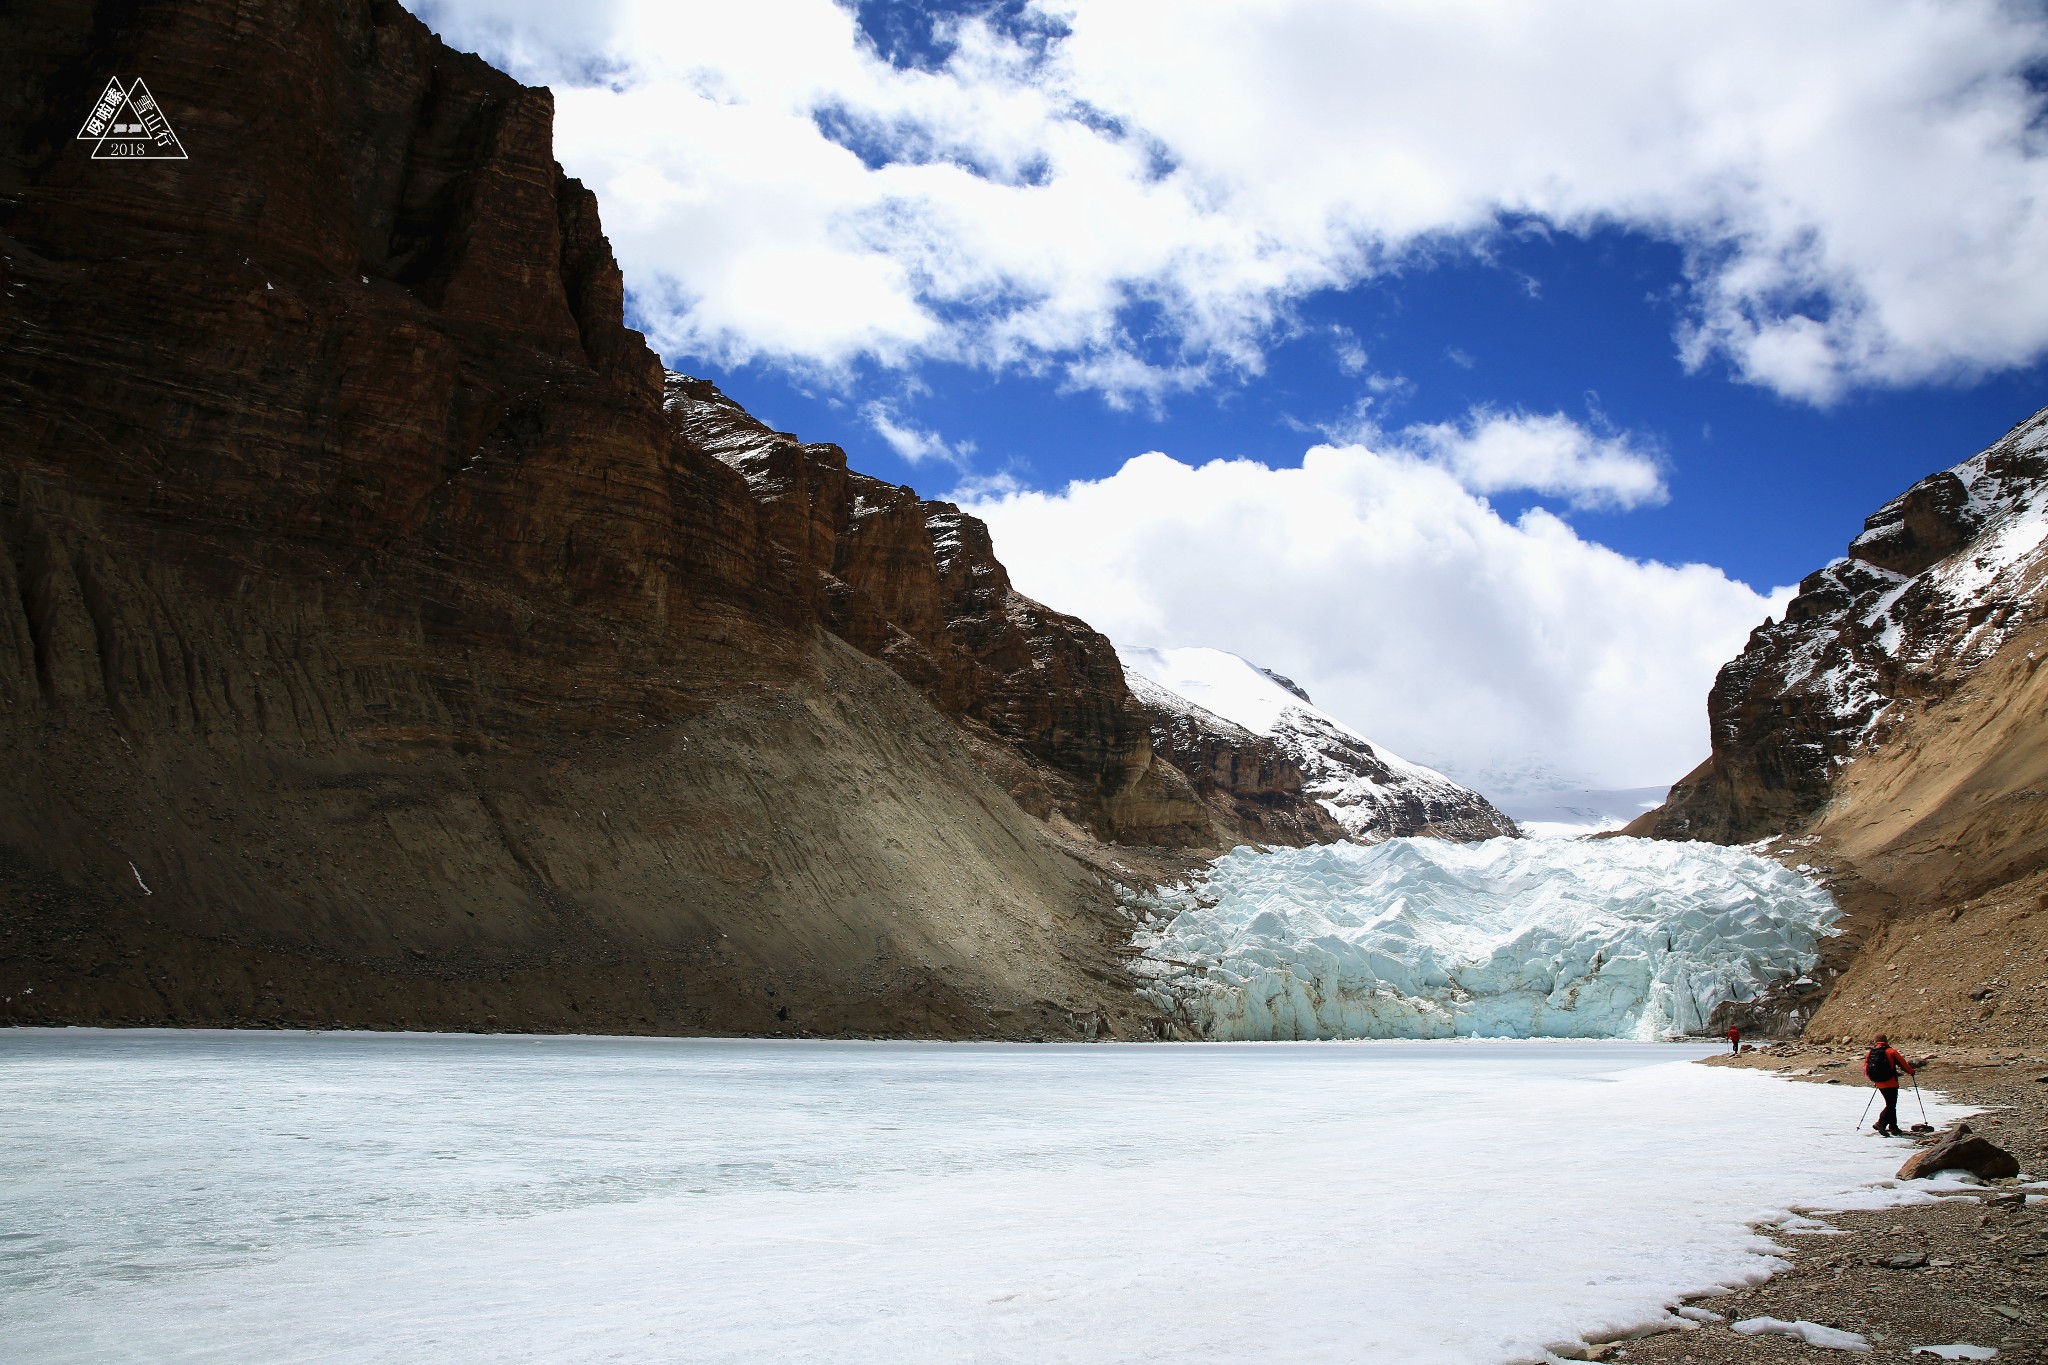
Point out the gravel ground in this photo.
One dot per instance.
(1984, 1281)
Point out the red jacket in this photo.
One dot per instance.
(1734, 1035)
(1897, 1061)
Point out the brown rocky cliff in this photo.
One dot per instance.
(372, 648)
(1935, 841)
(1870, 639)
(1247, 779)
(917, 585)
(1302, 776)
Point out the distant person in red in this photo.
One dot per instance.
(1734, 1040)
(1882, 1066)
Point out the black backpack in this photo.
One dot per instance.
(1878, 1065)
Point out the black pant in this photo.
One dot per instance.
(1734, 1046)
(1888, 1121)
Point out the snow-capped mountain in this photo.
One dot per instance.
(1548, 802)
(1574, 812)
(1204, 703)
(1940, 578)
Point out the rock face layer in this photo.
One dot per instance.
(916, 584)
(1888, 733)
(382, 643)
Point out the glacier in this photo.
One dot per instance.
(1509, 938)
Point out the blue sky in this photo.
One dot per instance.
(1503, 361)
(1766, 487)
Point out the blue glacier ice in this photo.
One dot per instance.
(1510, 938)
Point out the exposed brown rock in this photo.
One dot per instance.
(1959, 1149)
(917, 585)
(1936, 844)
(1301, 777)
(1250, 783)
(375, 650)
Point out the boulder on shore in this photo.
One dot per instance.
(1959, 1149)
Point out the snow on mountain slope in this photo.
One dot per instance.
(1372, 794)
(1419, 938)
(1982, 525)
(1547, 802)
(1574, 812)
(1939, 579)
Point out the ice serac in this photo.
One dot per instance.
(1260, 751)
(380, 646)
(1421, 938)
(1888, 733)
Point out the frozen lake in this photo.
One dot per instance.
(361, 1197)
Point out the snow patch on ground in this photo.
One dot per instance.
(1421, 938)
(1812, 1333)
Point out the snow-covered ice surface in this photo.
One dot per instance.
(215, 1197)
(1221, 683)
(1420, 938)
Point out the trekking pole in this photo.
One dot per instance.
(1866, 1110)
(1923, 1103)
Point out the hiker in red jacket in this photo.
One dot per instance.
(1883, 1065)
(1734, 1040)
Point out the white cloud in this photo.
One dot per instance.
(911, 442)
(1859, 189)
(983, 487)
(1351, 356)
(1489, 451)
(1494, 452)
(1403, 602)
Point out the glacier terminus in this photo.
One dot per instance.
(1508, 938)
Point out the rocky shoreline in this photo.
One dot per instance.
(1964, 1270)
